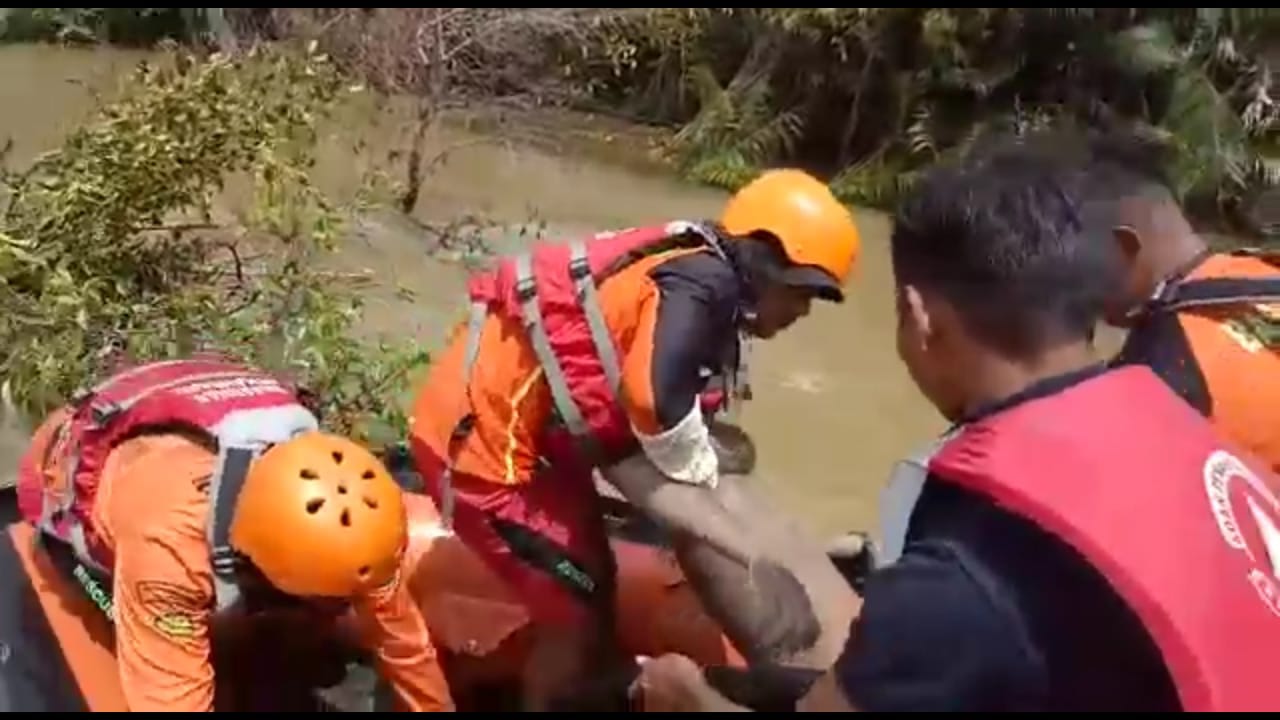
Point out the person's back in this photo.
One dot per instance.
(1204, 321)
(148, 510)
(508, 391)
(1221, 357)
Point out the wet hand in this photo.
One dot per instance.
(735, 449)
(671, 683)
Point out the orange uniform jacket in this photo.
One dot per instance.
(674, 319)
(1217, 361)
(151, 511)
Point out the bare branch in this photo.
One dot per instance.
(178, 228)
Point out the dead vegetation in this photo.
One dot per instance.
(447, 59)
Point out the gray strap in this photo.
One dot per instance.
(229, 473)
(589, 299)
(55, 507)
(527, 294)
(80, 544)
(475, 327)
(54, 504)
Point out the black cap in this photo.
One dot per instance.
(821, 282)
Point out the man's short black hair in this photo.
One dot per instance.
(1002, 237)
(1119, 162)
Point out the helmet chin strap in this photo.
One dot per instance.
(713, 235)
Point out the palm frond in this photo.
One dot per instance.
(919, 134)
(728, 169)
(1212, 143)
(876, 182)
(1144, 50)
(734, 133)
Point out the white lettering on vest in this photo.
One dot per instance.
(221, 390)
(1219, 471)
(1217, 484)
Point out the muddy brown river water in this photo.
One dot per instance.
(832, 409)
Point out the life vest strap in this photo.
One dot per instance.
(57, 514)
(589, 299)
(1208, 292)
(535, 327)
(229, 474)
(467, 423)
(447, 496)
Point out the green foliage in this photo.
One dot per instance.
(874, 183)
(639, 60)
(109, 246)
(126, 26)
(732, 136)
(869, 95)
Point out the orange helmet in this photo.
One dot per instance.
(817, 231)
(320, 516)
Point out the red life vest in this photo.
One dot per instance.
(1182, 527)
(242, 411)
(552, 290)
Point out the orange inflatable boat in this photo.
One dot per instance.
(55, 641)
(484, 630)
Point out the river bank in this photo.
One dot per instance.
(832, 410)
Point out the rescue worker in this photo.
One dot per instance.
(204, 497)
(1201, 319)
(578, 353)
(1080, 539)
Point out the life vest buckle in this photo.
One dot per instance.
(224, 560)
(462, 429)
(579, 269)
(102, 414)
(526, 290)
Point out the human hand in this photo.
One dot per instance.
(735, 449)
(671, 683)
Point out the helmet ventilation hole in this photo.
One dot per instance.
(367, 475)
(364, 571)
(342, 489)
(345, 519)
(337, 456)
(372, 503)
(313, 506)
(309, 474)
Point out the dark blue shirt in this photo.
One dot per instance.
(986, 612)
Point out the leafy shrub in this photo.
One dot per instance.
(870, 96)
(109, 248)
(127, 26)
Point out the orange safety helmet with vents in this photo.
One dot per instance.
(320, 516)
(817, 232)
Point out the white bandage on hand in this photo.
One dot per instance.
(684, 453)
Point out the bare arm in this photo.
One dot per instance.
(772, 589)
(693, 510)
